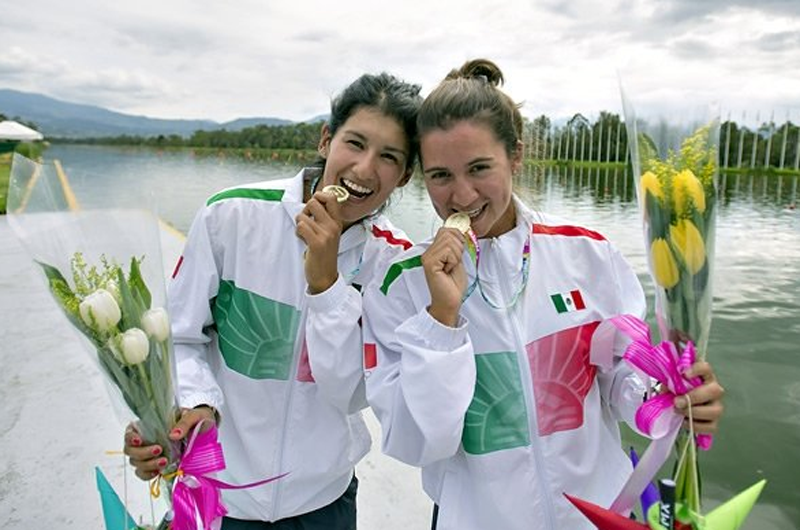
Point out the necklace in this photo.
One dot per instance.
(474, 250)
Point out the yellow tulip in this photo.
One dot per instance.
(689, 243)
(665, 269)
(649, 183)
(686, 189)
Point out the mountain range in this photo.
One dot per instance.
(62, 119)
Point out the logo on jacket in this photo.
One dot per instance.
(568, 302)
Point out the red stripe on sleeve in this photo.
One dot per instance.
(566, 230)
(370, 356)
(390, 237)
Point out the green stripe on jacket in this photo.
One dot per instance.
(247, 193)
(397, 269)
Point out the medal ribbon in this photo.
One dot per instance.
(474, 250)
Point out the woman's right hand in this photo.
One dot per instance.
(319, 225)
(146, 458)
(445, 274)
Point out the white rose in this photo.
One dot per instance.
(155, 323)
(131, 347)
(100, 311)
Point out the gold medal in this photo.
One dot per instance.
(460, 221)
(338, 191)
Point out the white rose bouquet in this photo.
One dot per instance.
(131, 337)
(104, 269)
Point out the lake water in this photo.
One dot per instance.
(755, 337)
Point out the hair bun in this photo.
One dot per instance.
(480, 69)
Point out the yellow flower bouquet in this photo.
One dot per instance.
(675, 167)
(678, 202)
(675, 171)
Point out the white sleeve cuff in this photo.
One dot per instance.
(201, 398)
(329, 298)
(433, 334)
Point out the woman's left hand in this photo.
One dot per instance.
(706, 400)
(320, 226)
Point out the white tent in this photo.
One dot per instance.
(11, 130)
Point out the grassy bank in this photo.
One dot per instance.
(257, 153)
(5, 173)
(760, 171)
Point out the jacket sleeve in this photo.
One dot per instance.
(194, 284)
(334, 334)
(621, 387)
(334, 340)
(424, 378)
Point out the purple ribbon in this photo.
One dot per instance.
(657, 416)
(196, 497)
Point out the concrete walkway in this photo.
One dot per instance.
(57, 421)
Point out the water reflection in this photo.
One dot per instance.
(756, 327)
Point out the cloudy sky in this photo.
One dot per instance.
(286, 58)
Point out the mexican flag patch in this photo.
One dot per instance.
(567, 302)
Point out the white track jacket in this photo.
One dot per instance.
(507, 412)
(283, 367)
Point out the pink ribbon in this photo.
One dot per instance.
(657, 416)
(196, 497)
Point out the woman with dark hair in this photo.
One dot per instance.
(266, 310)
(481, 338)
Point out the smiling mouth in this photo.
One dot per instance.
(356, 190)
(473, 213)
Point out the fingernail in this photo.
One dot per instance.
(156, 450)
(680, 402)
(177, 431)
(136, 442)
(162, 462)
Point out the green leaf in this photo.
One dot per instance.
(137, 283)
(131, 314)
(119, 376)
(659, 218)
(51, 272)
(67, 300)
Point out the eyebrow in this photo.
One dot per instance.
(470, 163)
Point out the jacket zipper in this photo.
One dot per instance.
(276, 491)
(530, 398)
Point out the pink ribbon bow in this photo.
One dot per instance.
(657, 416)
(196, 497)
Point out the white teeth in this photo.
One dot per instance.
(355, 187)
(473, 213)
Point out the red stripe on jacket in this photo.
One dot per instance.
(370, 356)
(566, 230)
(177, 267)
(390, 237)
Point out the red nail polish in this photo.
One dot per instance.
(136, 442)
(156, 451)
(162, 462)
(177, 431)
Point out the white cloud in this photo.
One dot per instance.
(203, 59)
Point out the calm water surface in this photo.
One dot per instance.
(754, 344)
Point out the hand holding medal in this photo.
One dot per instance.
(444, 269)
(319, 226)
